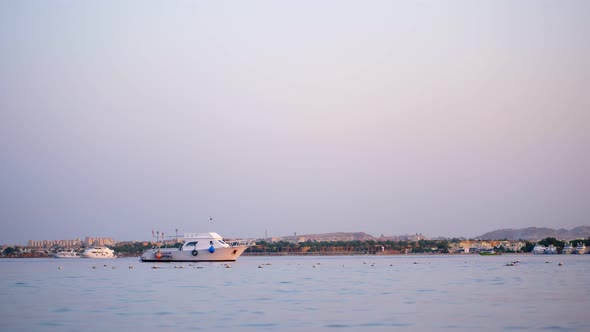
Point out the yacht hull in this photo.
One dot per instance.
(66, 256)
(229, 254)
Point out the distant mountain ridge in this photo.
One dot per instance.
(537, 233)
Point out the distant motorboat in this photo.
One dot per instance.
(542, 250)
(580, 248)
(66, 253)
(488, 252)
(539, 249)
(567, 249)
(98, 252)
(198, 247)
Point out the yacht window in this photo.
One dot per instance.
(192, 244)
(221, 241)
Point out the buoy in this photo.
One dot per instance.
(211, 249)
(59, 267)
(158, 255)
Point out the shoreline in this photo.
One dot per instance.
(271, 254)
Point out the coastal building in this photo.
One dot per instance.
(329, 237)
(406, 237)
(99, 241)
(514, 246)
(333, 238)
(54, 243)
(76, 243)
(474, 246)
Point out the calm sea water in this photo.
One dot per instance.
(368, 293)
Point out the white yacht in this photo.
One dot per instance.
(567, 248)
(539, 249)
(198, 247)
(580, 248)
(542, 250)
(69, 253)
(98, 252)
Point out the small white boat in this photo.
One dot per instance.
(69, 253)
(198, 247)
(98, 252)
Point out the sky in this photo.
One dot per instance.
(445, 118)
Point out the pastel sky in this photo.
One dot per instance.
(446, 118)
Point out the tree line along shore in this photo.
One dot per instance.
(310, 247)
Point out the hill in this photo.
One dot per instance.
(537, 233)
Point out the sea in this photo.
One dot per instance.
(517, 292)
